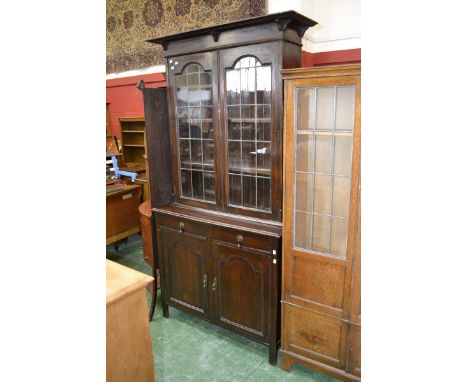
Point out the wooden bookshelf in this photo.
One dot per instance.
(133, 141)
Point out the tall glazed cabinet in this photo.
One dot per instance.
(321, 319)
(219, 238)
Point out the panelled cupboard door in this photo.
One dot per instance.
(193, 100)
(186, 277)
(322, 139)
(315, 336)
(241, 285)
(249, 96)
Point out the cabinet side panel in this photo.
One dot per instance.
(158, 142)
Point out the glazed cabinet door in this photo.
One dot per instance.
(185, 274)
(193, 100)
(241, 289)
(322, 156)
(249, 115)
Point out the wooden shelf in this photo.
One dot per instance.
(249, 119)
(329, 133)
(250, 171)
(129, 145)
(134, 131)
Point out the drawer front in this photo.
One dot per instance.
(182, 225)
(245, 239)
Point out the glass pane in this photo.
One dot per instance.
(186, 181)
(324, 154)
(263, 193)
(208, 152)
(305, 153)
(197, 184)
(248, 157)
(248, 88)
(195, 132)
(303, 232)
(235, 186)
(184, 150)
(322, 194)
(196, 151)
(263, 158)
(323, 167)
(345, 107)
(183, 128)
(325, 108)
(209, 185)
(343, 154)
(195, 129)
(263, 131)
(234, 130)
(305, 109)
(234, 156)
(248, 130)
(207, 130)
(321, 233)
(305, 197)
(341, 193)
(339, 238)
(249, 191)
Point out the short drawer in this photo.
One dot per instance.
(182, 225)
(245, 239)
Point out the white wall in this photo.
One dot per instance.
(338, 25)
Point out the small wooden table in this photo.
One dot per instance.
(129, 355)
(122, 217)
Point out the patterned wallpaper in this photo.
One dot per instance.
(130, 22)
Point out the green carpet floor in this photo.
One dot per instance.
(186, 348)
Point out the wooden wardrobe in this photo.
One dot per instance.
(321, 314)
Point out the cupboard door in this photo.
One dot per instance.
(241, 289)
(250, 126)
(321, 191)
(193, 102)
(185, 274)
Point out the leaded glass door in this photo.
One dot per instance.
(194, 94)
(324, 131)
(251, 146)
(321, 167)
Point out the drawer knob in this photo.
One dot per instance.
(240, 240)
(181, 227)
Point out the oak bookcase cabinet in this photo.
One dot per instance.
(321, 314)
(219, 239)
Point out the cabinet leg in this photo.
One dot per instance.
(286, 362)
(153, 299)
(272, 354)
(165, 309)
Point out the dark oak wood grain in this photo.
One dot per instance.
(221, 259)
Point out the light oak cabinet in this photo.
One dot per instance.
(321, 323)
